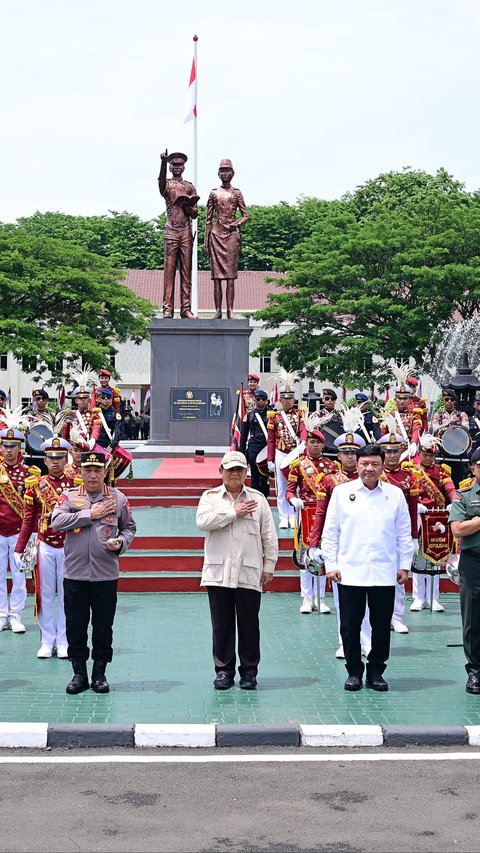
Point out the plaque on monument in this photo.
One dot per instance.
(198, 404)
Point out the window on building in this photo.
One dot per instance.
(265, 364)
(56, 365)
(29, 363)
(3, 362)
(112, 359)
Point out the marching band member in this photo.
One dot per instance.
(12, 507)
(408, 420)
(249, 393)
(254, 438)
(104, 377)
(85, 418)
(450, 416)
(303, 490)
(436, 489)
(370, 421)
(416, 402)
(347, 445)
(286, 431)
(474, 423)
(403, 477)
(41, 497)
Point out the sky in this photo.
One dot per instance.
(306, 97)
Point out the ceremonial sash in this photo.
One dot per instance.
(262, 425)
(83, 426)
(10, 494)
(290, 428)
(432, 490)
(48, 497)
(106, 427)
(312, 481)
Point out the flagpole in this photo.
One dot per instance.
(195, 177)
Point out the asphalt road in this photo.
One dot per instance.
(268, 806)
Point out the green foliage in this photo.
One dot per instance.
(62, 302)
(381, 272)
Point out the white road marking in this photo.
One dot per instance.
(289, 758)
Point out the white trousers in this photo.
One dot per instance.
(399, 606)
(52, 627)
(308, 584)
(422, 585)
(284, 507)
(365, 628)
(18, 595)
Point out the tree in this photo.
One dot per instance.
(381, 274)
(60, 302)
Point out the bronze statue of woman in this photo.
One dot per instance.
(222, 237)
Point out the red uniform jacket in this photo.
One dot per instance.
(436, 487)
(305, 478)
(92, 422)
(12, 490)
(328, 484)
(412, 423)
(40, 499)
(406, 480)
(279, 437)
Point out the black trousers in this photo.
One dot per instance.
(352, 600)
(83, 599)
(232, 609)
(258, 481)
(469, 567)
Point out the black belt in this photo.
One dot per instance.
(471, 553)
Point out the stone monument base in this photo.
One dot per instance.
(196, 369)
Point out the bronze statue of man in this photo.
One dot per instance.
(222, 239)
(181, 201)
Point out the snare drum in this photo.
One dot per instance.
(121, 460)
(455, 440)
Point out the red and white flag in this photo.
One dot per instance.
(274, 396)
(133, 399)
(61, 397)
(191, 102)
(148, 394)
(387, 395)
(237, 420)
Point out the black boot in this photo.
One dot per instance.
(99, 682)
(79, 682)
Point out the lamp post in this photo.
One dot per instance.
(465, 384)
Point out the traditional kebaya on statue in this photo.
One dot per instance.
(222, 237)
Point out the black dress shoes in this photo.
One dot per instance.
(223, 681)
(248, 682)
(376, 682)
(473, 683)
(353, 682)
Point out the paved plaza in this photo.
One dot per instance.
(163, 673)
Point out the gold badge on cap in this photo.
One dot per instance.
(55, 442)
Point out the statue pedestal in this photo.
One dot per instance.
(196, 368)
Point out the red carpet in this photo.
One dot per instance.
(178, 468)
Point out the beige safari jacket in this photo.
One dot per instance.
(237, 550)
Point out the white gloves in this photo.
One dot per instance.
(415, 544)
(91, 443)
(315, 554)
(271, 467)
(18, 561)
(412, 449)
(297, 503)
(421, 509)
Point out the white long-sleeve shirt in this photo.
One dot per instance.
(367, 534)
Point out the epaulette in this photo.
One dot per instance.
(417, 411)
(32, 481)
(337, 464)
(271, 413)
(446, 468)
(295, 462)
(408, 463)
(96, 409)
(28, 499)
(34, 471)
(319, 477)
(77, 481)
(464, 485)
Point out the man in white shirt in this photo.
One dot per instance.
(367, 546)
(241, 551)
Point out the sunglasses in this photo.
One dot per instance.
(449, 399)
(326, 397)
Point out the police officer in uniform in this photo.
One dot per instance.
(98, 526)
(465, 523)
(254, 439)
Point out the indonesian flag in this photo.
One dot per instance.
(61, 397)
(133, 399)
(148, 394)
(191, 102)
(237, 421)
(387, 395)
(274, 396)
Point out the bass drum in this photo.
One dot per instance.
(261, 461)
(36, 435)
(455, 441)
